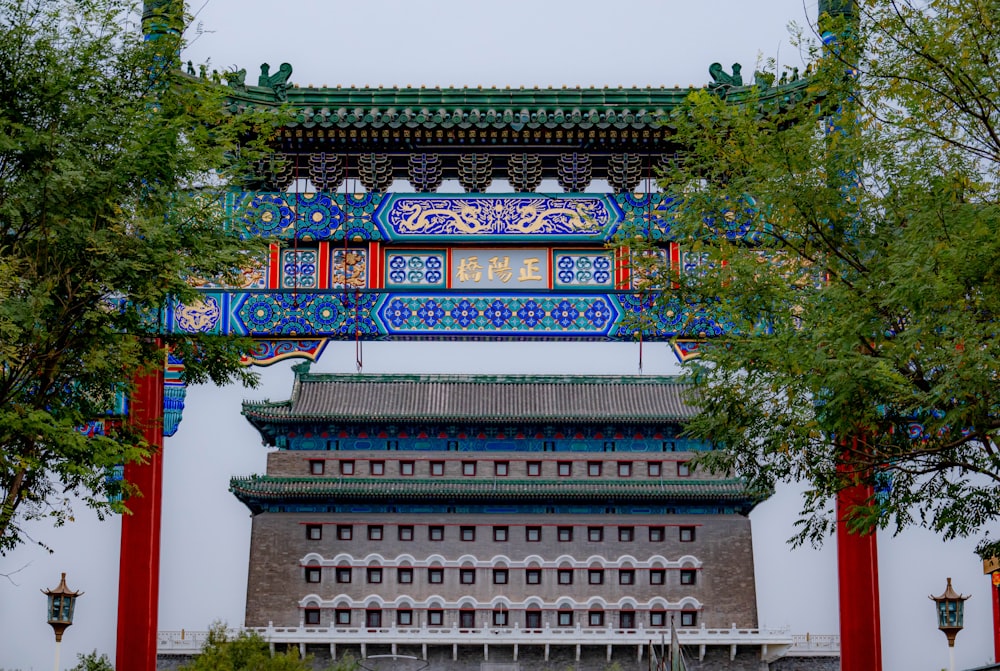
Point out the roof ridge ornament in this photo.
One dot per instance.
(278, 82)
(236, 79)
(720, 78)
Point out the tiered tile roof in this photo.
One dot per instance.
(480, 398)
(257, 491)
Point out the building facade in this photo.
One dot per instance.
(550, 511)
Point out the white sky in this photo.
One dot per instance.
(206, 531)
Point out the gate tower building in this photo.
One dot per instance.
(400, 511)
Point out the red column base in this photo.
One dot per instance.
(139, 573)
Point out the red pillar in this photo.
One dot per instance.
(857, 569)
(995, 592)
(139, 573)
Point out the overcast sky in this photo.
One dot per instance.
(206, 531)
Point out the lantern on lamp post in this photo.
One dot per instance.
(62, 602)
(951, 617)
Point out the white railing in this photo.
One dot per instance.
(813, 645)
(776, 641)
(181, 642)
(510, 635)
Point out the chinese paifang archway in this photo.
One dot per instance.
(380, 265)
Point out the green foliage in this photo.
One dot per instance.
(863, 303)
(93, 662)
(110, 172)
(224, 651)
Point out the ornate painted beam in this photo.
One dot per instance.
(464, 218)
(443, 267)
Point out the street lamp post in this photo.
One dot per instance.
(951, 617)
(62, 602)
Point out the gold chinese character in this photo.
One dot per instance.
(469, 270)
(530, 271)
(500, 269)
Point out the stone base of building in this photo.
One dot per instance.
(803, 654)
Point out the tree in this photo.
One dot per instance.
(247, 651)
(844, 242)
(93, 662)
(110, 172)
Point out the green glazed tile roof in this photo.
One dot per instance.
(489, 398)
(439, 107)
(269, 488)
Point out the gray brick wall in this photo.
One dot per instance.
(724, 584)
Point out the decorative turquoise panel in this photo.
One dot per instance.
(435, 217)
(305, 216)
(205, 316)
(416, 269)
(690, 262)
(299, 268)
(506, 217)
(469, 315)
(307, 314)
(375, 315)
(593, 270)
(174, 392)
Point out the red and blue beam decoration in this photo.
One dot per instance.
(441, 267)
(174, 392)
